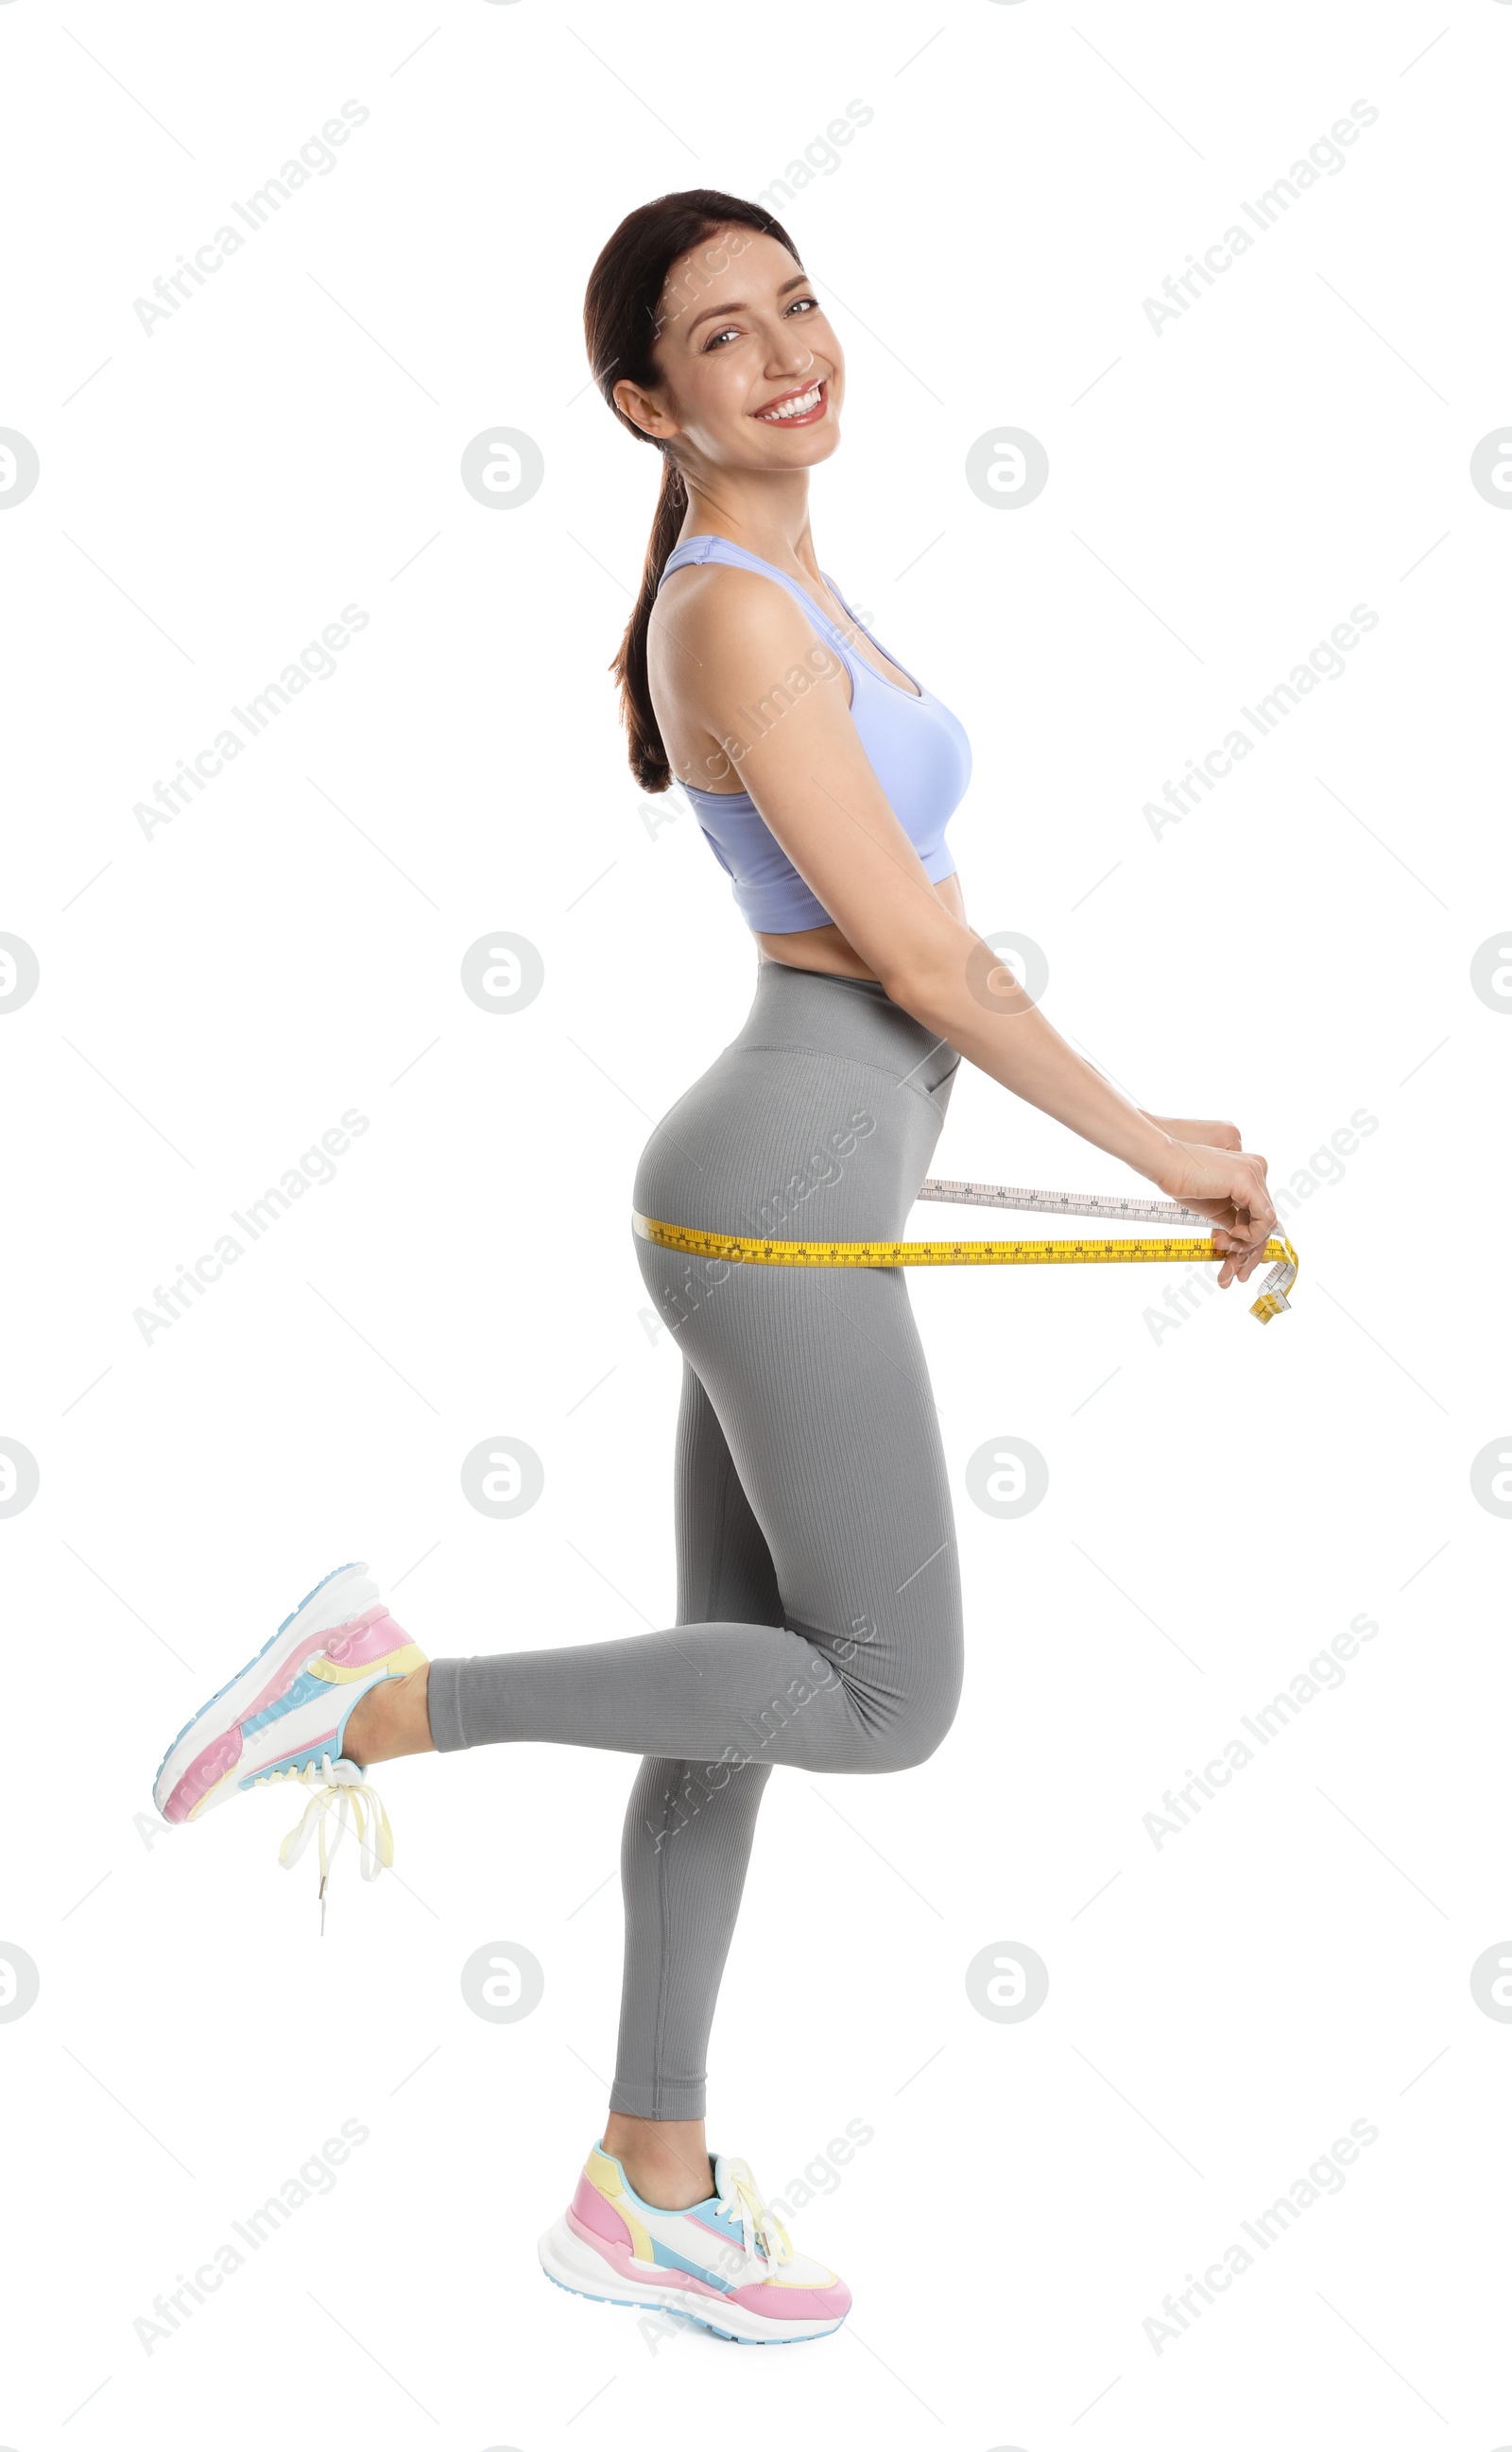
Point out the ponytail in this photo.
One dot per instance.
(648, 757)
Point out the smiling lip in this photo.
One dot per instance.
(810, 416)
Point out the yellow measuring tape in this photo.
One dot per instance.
(766, 1254)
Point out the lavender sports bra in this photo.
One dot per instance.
(918, 752)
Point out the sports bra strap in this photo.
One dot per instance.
(718, 549)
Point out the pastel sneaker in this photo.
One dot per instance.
(728, 2262)
(284, 1715)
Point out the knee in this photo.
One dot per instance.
(912, 1738)
(905, 1727)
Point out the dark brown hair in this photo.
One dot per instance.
(621, 317)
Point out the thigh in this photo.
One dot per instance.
(819, 1384)
(725, 1576)
(724, 1566)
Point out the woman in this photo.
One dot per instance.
(819, 1617)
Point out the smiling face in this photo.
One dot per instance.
(752, 375)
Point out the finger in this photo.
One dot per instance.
(1261, 1215)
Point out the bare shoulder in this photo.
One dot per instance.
(715, 628)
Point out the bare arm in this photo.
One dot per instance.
(797, 753)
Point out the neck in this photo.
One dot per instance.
(767, 515)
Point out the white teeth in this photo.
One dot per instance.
(792, 407)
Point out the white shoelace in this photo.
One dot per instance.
(760, 2225)
(340, 1785)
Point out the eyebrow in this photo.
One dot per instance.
(799, 281)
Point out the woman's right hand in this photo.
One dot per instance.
(1229, 1187)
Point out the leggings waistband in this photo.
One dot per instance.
(843, 1017)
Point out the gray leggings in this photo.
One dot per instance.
(818, 1593)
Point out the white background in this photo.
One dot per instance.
(213, 997)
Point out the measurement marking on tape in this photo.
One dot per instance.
(766, 1251)
(1061, 1204)
(928, 1256)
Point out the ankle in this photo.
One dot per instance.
(391, 1719)
(665, 2162)
(669, 2184)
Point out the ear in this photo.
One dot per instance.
(642, 410)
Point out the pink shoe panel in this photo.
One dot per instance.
(591, 2211)
(202, 1772)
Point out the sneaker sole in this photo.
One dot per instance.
(565, 2261)
(227, 1709)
